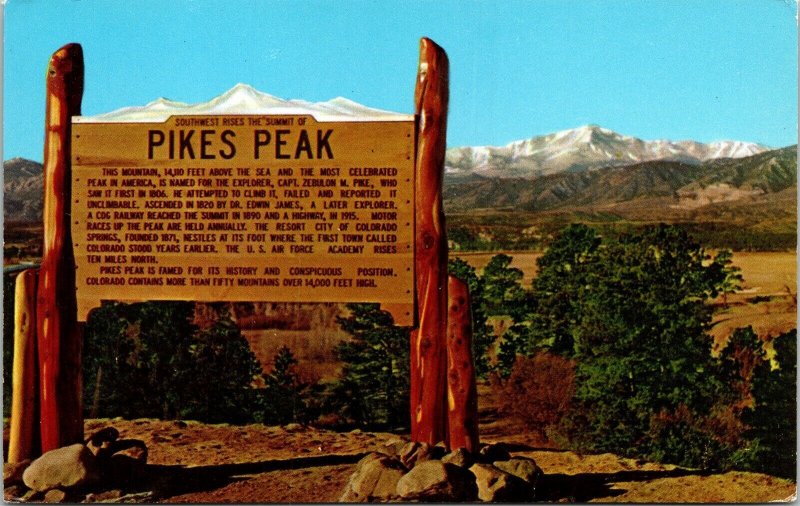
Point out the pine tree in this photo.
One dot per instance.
(373, 388)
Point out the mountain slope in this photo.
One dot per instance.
(584, 148)
(678, 183)
(22, 190)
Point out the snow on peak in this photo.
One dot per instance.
(584, 148)
(244, 99)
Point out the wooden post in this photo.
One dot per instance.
(428, 349)
(59, 335)
(462, 392)
(21, 444)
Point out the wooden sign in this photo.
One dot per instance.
(244, 208)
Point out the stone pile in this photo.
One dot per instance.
(420, 472)
(99, 470)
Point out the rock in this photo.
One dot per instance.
(433, 480)
(55, 495)
(108, 495)
(460, 457)
(393, 447)
(12, 473)
(101, 440)
(413, 453)
(493, 452)
(13, 492)
(495, 485)
(293, 427)
(180, 424)
(68, 467)
(128, 465)
(375, 479)
(521, 467)
(356, 431)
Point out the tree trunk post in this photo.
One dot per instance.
(428, 340)
(21, 441)
(59, 335)
(462, 392)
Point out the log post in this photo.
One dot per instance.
(428, 349)
(21, 444)
(462, 391)
(59, 335)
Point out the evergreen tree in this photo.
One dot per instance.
(373, 388)
(150, 360)
(283, 396)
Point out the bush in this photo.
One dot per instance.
(539, 391)
(772, 419)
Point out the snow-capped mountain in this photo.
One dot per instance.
(584, 148)
(244, 99)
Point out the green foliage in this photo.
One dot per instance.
(482, 333)
(631, 311)
(773, 431)
(373, 388)
(286, 398)
(502, 289)
(150, 360)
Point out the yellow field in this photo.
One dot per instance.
(767, 300)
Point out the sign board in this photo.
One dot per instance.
(235, 207)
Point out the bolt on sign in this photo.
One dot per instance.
(304, 203)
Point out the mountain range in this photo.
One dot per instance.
(244, 99)
(584, 148)
(675, 184)
(587, 166)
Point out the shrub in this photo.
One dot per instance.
(539, 391)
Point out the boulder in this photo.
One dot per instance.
(68, 467)
(393, 447)
(493, 452)
(101, 440)
(433, 480)
(293, 427)
(495, 485)
(413, 453)
(460, 457)
(521, 467)
(375, 479)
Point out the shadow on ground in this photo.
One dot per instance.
(170, 480)
(584, 487)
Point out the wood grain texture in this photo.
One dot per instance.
(59, 336)
(21, 444)
(462, 392)
(428, 348)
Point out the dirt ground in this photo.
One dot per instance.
(198, 463)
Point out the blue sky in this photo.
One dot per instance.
(701, 69)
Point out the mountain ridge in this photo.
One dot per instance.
(682, 184)
(584, 148)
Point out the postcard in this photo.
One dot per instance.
(322, 252)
